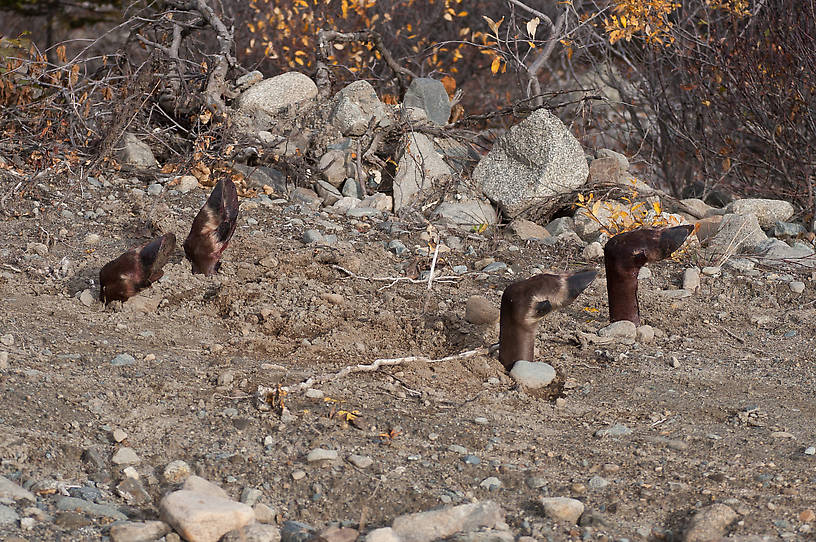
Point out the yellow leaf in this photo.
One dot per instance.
(596, 207)
(495, 65)
(656, 207)
(532, 24)
(494, 26)
(581, 198)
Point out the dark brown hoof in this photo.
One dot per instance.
(625, 254)
(526, 302)
(212, 228)
(136, 269)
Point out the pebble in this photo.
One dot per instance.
(621, 328)
(709, 523)
(334, 299)
(691, 279)
(254, 532)
(7, 339)
(360, 461)
(201, 517)
(481, 420)
(132, 491)
(4, 364)
(645, 273)
(645, 333)
(711, 271)
(597, 482)
(321, 454)
(154, 189)
(797, 287)
(562, 508)
(7, 515)
(197, 484)
(312, 236)
(225, 378)
(269, 262)
(397, 247)
(72, 504)
(810, 450)
(87, 298)
(437, 524)
(480, 311)
(264, 513)
(616, 430)
(384, 534)
(806, 516)
(186, 183)
(250, 495)
(295, 531)
(133, 531)
(118, 435)
(457, 449)
(10, 490)
(130, 472)
(298, 475)
(313, 393)
(122, 360)
(493, 267)
(459, 269)
(92, 239)
(593, 251)
(471, 459)
(491, 483)
(125, 456)
(532, 374)
(176, 471)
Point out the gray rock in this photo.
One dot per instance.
(691, 279)
(361, 212)
(597, 482)
(250, 495)
(622, 328)
(779, 251)
(199, 517)
(737, 232)
(419, 166)
(378, 201)
(10, 490)
(260, 176)
(533, 374)
(490, 483)
(125, 456)
(154, 189)
(248, 79)
(7, 515)
(532, 162)
(466, 213)
(73, 504)
(176, 471)
(254, 532)
(616, 430)
(285, 95)
(810, 450)
(360, 461)
(562, 509)
(644, 273)
(295, 531)
(197, 484)
(141, 531)
(384, 534)
(332, 166)
(527, 229)
(132, 491)
(560, 225)
(343, 205)
(356, 105)
(645, 333)
(797, 286)
(264, 513)
(741, 265)
(312, 236)
(594, 251)
(351, 189)
(135, 152)
(397, 247)
(494, 267)
(787, 229)
(437, 524)
(623, 162)
(480, 311)
(431, 96)
(709, 523)
(328, 192)
(767, 211)
(123, 359)
(711, 271)
(4, 356)
(606, 171)
(321, 454)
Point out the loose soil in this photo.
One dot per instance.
(721, 408)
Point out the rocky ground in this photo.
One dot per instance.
(100, 406)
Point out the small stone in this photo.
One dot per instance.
(339, 534)
(593, 251)
(254, 532)
(125, 456)
(562, 508)
(225, 378)
(616, 430)
(442, 523)
(622, 328)
(645, 333)
(494, 267)
(130, 472)
(176, 472)
(806, 516)
(481, 420)
(269, 262)
(533, 375)
(691, 279)
(471, 459)
(397, 247)
(298, 474)
(797, 286)
(199, 485)
(384, 534)
(264, 513)
(7, 339)
(527, 229)
(334, 299)
(711, 271)
(154, 189)
(295, 531)
(313, 393)
(142, 531)
(597, 482)
(491, 483)
(86, 297)
(480, 311)
(457, 449)
(250, 495)
(122, 360)
(4, 356)
(709, 523)
(645, 273)
(73, 504)
(185, 183)
(27, 524)
(312, 236)
(92, 239)
(360, 461)
(201, 517)
(810, 450)
(10, 490)
(132, 491)
(118, 435)
(321, 454)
